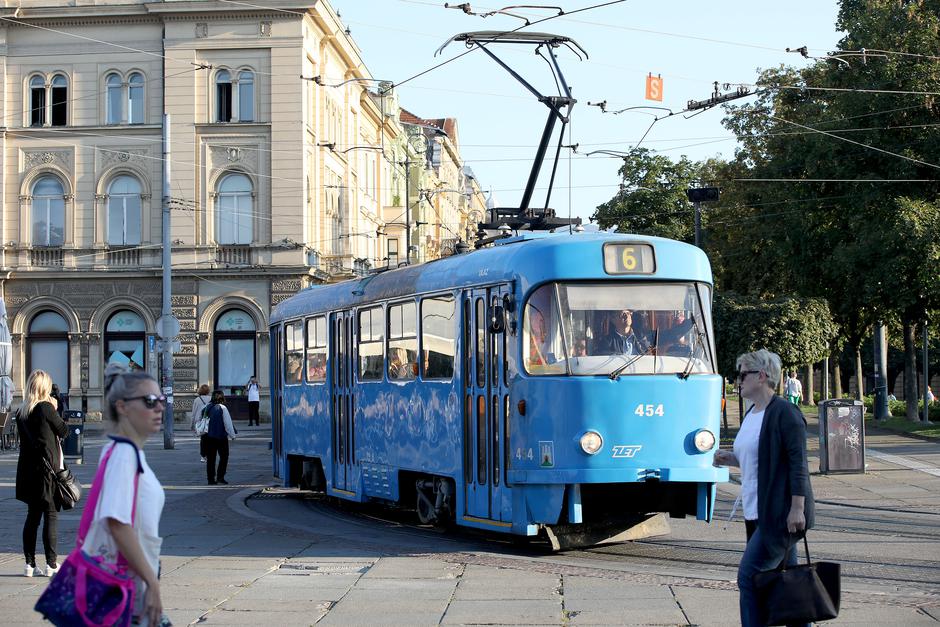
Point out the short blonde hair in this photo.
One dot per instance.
(764, 361)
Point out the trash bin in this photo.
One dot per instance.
(73, 447)
(841, 436)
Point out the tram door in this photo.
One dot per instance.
(277, 420)
(486, 396)
(342, 426)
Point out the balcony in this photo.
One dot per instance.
(128, 257)
(47, 257)
(233, 255)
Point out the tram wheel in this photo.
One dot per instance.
(425, 510)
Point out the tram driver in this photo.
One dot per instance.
(620, 338)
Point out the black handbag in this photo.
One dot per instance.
(66, 489)
(800, 594)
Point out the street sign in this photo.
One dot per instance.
(654, 87)
(168, 326)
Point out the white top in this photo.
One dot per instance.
(198, 404)
(253, 393)
(794, 387)
(745, 449)
(116, 501)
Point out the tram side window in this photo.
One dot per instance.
(402, 342)
(542, 348)
(371, 344)
(316, 349)
(293, 352)
(438, 337)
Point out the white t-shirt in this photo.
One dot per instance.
(253, 393)
(794, 387)
(116, 501)
(745, 449)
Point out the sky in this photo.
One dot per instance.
(689, 44)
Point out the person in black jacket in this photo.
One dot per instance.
(40, 428)
(778, 499)
(221, 430)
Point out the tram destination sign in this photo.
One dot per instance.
(629, 258)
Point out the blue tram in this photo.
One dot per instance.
(562, 383)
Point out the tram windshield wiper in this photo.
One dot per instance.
(615, 374)
(699, 335)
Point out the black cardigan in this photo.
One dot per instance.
(782, 472)
(45, 427)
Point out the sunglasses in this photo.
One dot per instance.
(626, 314)
(743, 374)
(150, 401)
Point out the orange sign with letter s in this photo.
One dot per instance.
(654, 87)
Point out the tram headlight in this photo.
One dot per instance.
(591, 442)
(704, 440)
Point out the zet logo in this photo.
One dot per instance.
(626, 450)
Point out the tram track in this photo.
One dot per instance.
(911, 582)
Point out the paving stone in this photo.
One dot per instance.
(503, 612)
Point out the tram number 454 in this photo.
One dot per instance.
(648, 410)
(525, 454)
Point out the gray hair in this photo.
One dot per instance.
(764, 361)
(119, 382)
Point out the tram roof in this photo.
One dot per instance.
(531, 258)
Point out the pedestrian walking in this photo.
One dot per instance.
(793, 389)
(770, 450)
(126, 521)
(199, 403)
(40, 428)
(930, 396)
(254, 401)
(221, 431)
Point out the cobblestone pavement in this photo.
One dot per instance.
(238, 555)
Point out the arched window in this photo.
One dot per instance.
(48, 347)
(37, 101)
(246, 96)
(124, 207)
(125, 340)
(48, 212)
(223, 96)
(115, 98)
(234, 210)
(135, 98)
(234, 353)
(60, 100)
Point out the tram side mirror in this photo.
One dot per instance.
(497, 319)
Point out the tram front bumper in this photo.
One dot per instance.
(549, 476)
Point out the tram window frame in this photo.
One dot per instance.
(467, 342)
(318, 346)
(367, 337)
(480, 339)
(400, 337)
(294, 348)
(444, 360)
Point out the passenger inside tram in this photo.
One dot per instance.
(400, 364)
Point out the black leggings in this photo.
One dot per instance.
(31, 527)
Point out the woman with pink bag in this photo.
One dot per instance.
(111, 578)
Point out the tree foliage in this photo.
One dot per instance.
(800, 330)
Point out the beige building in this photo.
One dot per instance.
(277, 182)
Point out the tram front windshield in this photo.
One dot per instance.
(618, 328)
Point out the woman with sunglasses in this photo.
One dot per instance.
(770, 450)
(127, 517)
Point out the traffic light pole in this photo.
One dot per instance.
(698, 223)
(166, 369)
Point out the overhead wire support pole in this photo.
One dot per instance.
(166, 365)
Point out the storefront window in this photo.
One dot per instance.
(125, 340)
(48, 347)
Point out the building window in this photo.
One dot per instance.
(37, 101)
(60, 100)
(125, 340)
(48, 212)
(393, 253)
(135, 98)
(114, 98)
(124, 211)
(48, 347)
(234, 210)
(234, 351)
(223, 96)
(246, 96)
